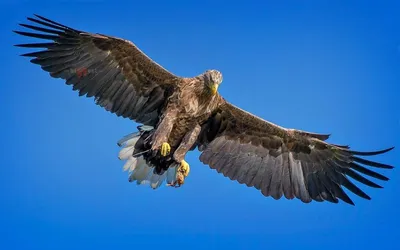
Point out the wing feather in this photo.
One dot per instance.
(120, 77)
(284, 162)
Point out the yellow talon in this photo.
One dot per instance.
(165, 149)
(184, 168)
(181, 173)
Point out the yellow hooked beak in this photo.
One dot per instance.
(214, 89)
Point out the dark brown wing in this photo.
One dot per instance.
(122, 79)
(281, 161)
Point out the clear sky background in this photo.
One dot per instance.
(322, 66)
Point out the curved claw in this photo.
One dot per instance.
(181, 173)
(165, 149)
(184, 168)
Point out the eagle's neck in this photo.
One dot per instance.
(196, 96)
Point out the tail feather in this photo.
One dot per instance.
(156, 180)
(126, 153)
(130, 164)
(137, 165)
(124, 139)
(142, 172)
(171, 175)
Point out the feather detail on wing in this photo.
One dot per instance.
(283, 162)
(122, 78)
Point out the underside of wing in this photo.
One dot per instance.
(120, 77)
(284, 162)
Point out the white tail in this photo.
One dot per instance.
(136, 165)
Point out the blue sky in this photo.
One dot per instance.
(329, 67)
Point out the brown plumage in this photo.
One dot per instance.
(181, 114)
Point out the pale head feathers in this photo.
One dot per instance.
(212, 77)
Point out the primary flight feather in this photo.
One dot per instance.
(181, 114)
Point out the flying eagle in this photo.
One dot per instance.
(179, 114)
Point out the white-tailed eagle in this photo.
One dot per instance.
(180, 114)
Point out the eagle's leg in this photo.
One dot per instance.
(187, 143)
(164, 128)
(165, 149)
(179, 156)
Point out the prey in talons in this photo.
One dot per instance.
(181, 173)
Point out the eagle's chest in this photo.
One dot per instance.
(194, 103)
(182, 126)
(190, 105)
(191, 111)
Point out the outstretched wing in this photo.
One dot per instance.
(281, 161)
(122, 78)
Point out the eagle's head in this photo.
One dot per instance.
(212, 79)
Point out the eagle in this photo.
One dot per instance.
(181, 114)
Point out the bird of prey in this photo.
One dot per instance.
(180, 114)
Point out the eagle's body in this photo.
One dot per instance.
(183, 113)
(180, 114)
(189, 106)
